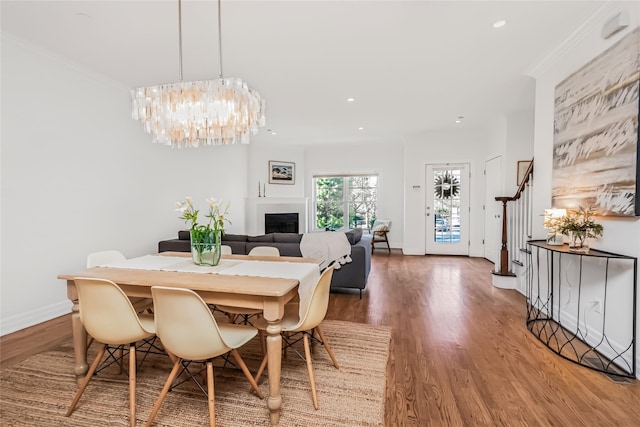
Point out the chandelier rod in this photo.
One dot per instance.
(180, 39)
(219, 41)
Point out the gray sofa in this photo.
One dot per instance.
(353, 275)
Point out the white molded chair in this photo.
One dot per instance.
(225, 250)
(189, 332)
(312, 315)
(264, 251)
(109, 317)
(104, 257)
(245, 314)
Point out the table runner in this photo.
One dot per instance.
(306, 273)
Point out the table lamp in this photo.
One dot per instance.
(552, 219)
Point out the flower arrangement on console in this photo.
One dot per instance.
(205, 238)
(579, 226)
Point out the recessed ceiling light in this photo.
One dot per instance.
(351, 99)
(361, 128)
(273, 133)
(458, 121)
(499, 24)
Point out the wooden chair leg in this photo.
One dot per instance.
(312, 341)
(261, 369)
(163, 393)
(210, 394)
(132, 385)
(312, 380)
(86, 380)
(328, 347)
(247, 374)
(172, 356)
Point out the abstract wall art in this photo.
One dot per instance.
(282, 172)
(595, 135)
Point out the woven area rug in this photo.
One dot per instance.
(37, 392)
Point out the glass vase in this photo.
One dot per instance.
(205, 247)
(579, 243)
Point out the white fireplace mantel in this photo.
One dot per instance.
(256, 207)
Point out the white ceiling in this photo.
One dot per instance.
(412, 66)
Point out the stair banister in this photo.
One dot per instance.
(518, 223)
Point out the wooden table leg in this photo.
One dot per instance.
(273, 315)
(274, 351)
(79, 334)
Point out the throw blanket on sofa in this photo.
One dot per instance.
(327, 246)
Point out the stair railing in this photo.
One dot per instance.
(517, 222)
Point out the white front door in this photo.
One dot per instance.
(447, 209)
(492, 209)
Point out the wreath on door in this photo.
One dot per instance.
(446, 186)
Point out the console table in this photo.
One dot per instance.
(570, 308)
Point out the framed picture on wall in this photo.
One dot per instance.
(523, 166)
(596, 134)
(282, 172)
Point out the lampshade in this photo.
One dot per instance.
(552, 217)
(209, 112)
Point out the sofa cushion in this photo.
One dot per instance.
(381, 227)
(234, 237)
(263, 238)
(287, 237)
(354, 236)
(184, 235)
(174, 245)
(237, 248)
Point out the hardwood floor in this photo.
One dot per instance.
(460, 353)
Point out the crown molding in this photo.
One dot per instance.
(587, 28)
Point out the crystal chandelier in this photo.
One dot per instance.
(211, 112)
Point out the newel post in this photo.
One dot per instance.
(504, 252)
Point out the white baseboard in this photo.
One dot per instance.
(413, 251)
(24, 320)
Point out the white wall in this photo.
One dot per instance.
(79, 175)
(620, 235)
(381, 158)
(459, 146)
(258, 171)
(511, 136)
(497, 137)
(519, 146)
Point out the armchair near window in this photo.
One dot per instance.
(379, 231)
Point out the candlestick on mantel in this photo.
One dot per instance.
(259, 189)
(264, 190)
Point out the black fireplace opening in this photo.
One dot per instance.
(281, 223)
